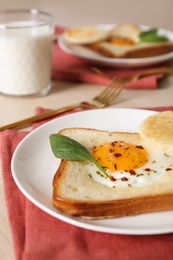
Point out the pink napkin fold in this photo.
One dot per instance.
(39, 236)
(67, 67)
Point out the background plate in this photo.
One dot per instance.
(84, 53)
(34, 165)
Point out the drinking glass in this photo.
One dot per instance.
(25, 52)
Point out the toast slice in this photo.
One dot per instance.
(146, 50)
(78, 193)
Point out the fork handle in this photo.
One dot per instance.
(30, 120)
(156, 71)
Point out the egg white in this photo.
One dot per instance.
(158, 164)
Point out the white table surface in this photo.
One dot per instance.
(85, 12)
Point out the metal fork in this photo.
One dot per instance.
(102, 100)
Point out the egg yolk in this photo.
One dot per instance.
(119, 156)
(121, 41)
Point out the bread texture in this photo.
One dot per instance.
(157, 130)
(76, 193)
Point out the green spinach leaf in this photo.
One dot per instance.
(66, 148)
(152, 36)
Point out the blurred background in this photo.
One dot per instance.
(86, 12)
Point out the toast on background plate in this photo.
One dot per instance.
(122, 41)
(140, 176)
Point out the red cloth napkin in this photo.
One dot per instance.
(68, 67)
(39, 236)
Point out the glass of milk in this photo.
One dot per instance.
(25, 52)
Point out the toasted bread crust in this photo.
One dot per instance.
(115, 208)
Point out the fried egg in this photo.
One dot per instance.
(128, 164)
(85, 35)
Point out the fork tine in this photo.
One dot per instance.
(115, 93)
(112, 91)
(107, 90)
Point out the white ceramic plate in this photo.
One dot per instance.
(34, 165)
(82, 52)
